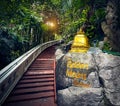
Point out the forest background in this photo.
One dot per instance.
(27, 23)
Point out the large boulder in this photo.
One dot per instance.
(109, 72)
(76, 96)
(102, 74)
(61, 80)
(72, 93)
(91, 72)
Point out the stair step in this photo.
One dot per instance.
(37, 77)
(30, 96)
(37, 84)
(36, 80)
(32, 90)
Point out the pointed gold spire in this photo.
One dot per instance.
(80, 43)
(80, 31)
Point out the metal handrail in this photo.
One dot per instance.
(13, 64)
(11, 74)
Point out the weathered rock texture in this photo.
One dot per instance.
(110, 26)
(103, 75)
(76, 96)
(109, 67)
(61, 79)
(64, 81)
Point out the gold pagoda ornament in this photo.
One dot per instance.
(80, 43)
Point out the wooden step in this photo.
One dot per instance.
(37, 84)
(37, 76)
(40, 72)
(32, 90)
(36, 80)
(30, 96)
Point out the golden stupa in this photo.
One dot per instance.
(80, 43)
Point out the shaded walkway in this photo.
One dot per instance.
(37, 86)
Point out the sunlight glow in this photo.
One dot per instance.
(51, 24)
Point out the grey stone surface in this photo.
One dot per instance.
(107, 61)
(104, 69)
(101, 45)
(58, 54)
(64, 81)
(110, 74)
(94, 50)
(75, 96)
(61, 80)
(93, 79)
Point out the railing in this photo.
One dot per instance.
(11, 74)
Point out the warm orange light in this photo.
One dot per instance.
(51, 24)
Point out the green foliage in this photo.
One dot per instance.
(57, 37)
(25, 21)
(14, 55)
(56, 2)
(10, 47)
(107, 49)
(100, 13)
(74, 14)
(106, 46)
(22, 24)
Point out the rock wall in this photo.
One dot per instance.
(110, 26)
(76, 96)
(103, 76)
(109, 72)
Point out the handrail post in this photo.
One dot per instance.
(55, 80)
